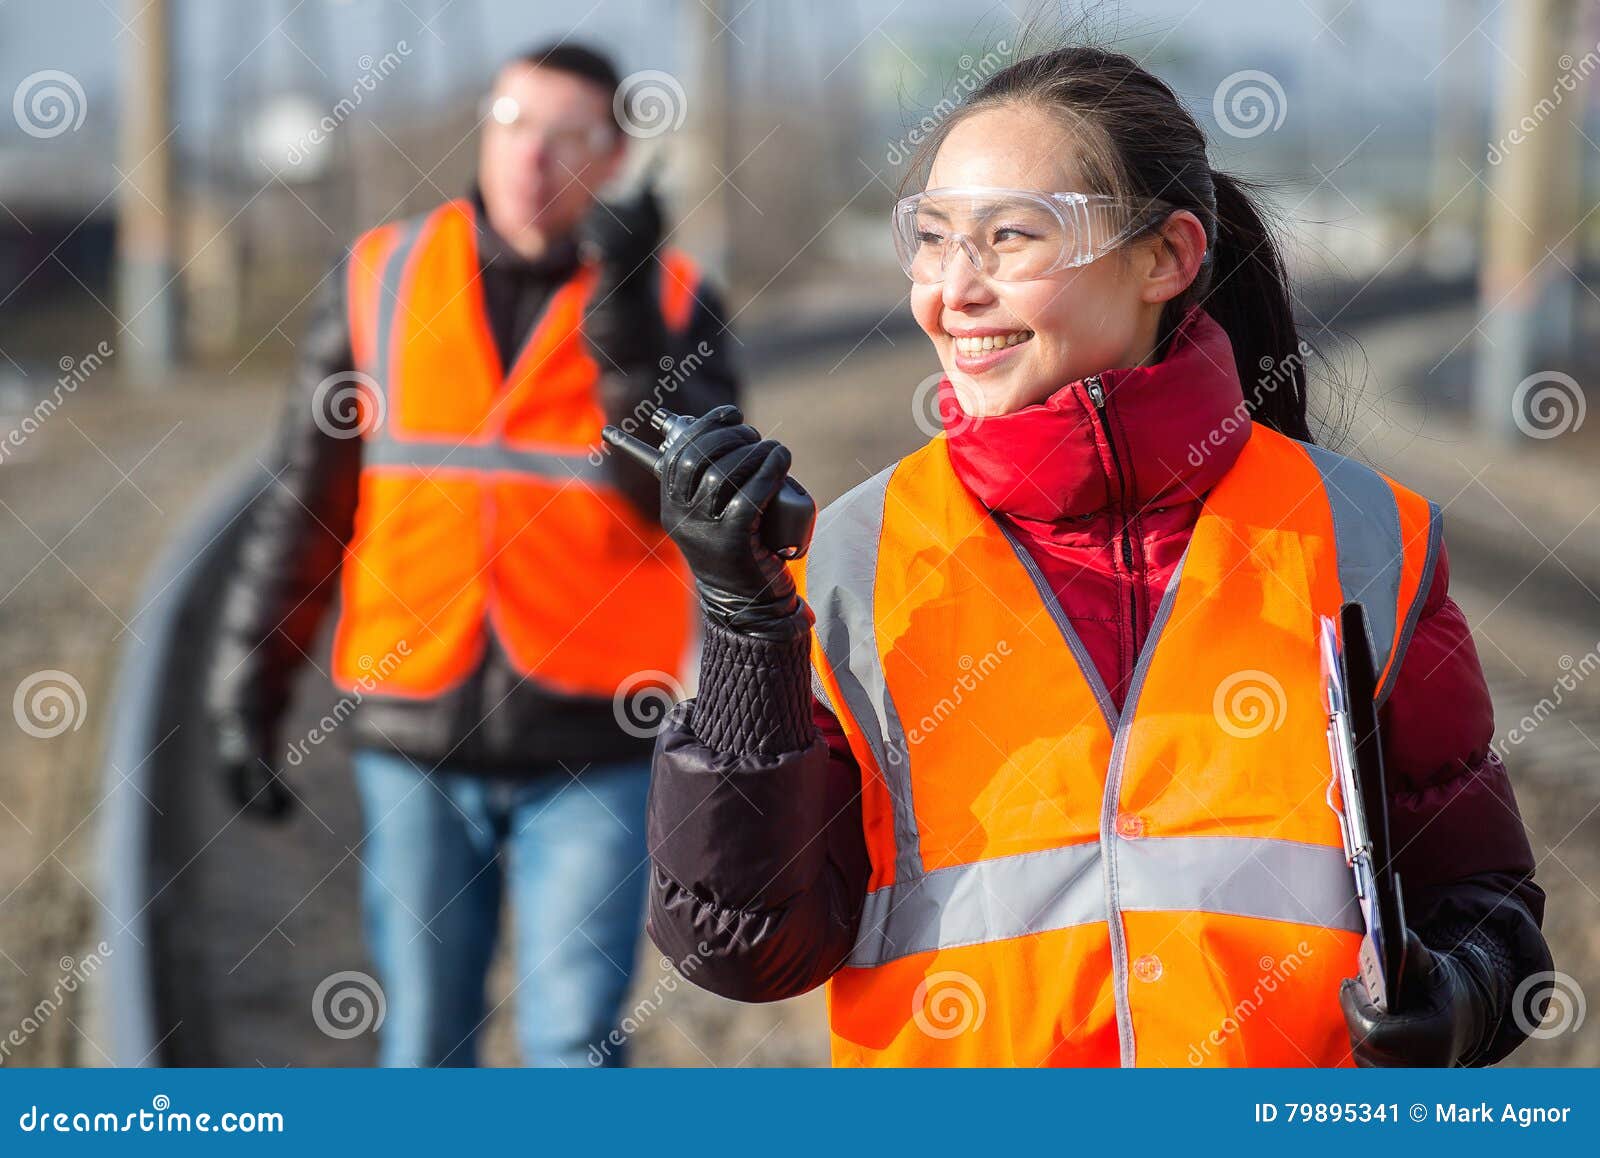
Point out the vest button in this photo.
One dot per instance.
(1130, 825)
(1147, 968)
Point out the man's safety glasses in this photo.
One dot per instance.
(1010, 234)
(571, 142)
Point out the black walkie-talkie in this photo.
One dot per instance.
(787, 521)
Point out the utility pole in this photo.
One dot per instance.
(715, 130)
(1524, 292)
(147, 222)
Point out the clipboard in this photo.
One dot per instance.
(1350, 682)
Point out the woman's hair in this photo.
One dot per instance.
(1138, 143)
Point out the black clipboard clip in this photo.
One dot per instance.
(1362, 806)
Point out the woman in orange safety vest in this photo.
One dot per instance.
(1027, 760)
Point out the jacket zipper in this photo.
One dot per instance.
(1111, 803)
(1097, 395)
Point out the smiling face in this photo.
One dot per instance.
(1006, 345)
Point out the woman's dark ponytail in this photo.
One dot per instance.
(1135, 141)
(1248, 295)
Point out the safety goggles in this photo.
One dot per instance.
(1010, 234)
(571, 142)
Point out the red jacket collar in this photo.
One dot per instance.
(1179, 426)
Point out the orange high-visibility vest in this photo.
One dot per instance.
(485, 501)
(1052, 884)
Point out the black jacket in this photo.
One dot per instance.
(494, 722)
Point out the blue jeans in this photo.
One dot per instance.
(439, 850)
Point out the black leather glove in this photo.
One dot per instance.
(715, 481)
(246, 753)
(1445, 1010)
(622, 321)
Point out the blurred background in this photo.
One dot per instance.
(176, 177)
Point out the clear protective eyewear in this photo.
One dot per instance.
(571, 142)
(1010, 234)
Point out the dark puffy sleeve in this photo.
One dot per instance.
(758, 860)
(1466, 869)
(297, 528)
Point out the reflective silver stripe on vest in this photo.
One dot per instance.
(443, 454)
(1274, 880)
(841, 576)
(389, 302)
(1366, 531)
(1036, 892)
(988, 900)
(1435, 535)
